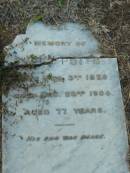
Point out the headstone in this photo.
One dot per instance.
(68, 116)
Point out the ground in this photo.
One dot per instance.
(109, 20)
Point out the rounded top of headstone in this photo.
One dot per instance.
(41, 41)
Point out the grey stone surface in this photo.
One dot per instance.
(67, 117)
(41, 41)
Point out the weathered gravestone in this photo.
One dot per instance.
(68, 116)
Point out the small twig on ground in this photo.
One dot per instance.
(68, 2)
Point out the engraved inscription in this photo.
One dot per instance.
(58, 43)
(68, 112)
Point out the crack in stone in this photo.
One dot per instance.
(51, 60)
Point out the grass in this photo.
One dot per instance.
(60, 3)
